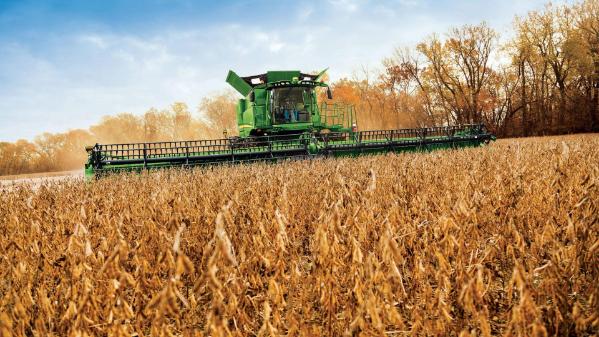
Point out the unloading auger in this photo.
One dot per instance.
(280, 118)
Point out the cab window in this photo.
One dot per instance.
(288, 105)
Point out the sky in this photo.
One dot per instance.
(65, 64)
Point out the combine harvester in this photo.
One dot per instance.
(281, 118)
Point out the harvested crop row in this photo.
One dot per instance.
(496, 240)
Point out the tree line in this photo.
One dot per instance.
(66, 151)
(543, 80)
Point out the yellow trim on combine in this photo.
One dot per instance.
(245, 126)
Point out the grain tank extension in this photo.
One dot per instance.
(279, 117)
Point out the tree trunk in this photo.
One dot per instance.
(595, 85)
(562, 108)
(595, 107)
(525, 117)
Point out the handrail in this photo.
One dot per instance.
(185, 151)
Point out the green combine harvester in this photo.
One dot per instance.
(280, 118)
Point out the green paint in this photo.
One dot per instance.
(283, 102)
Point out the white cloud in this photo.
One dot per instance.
(94, 40)
(346, 5)
(305, 13)
(410, 3)
(276, 46)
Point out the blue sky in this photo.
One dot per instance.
(65, 64)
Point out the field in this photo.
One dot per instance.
(499, 240)
(36, 179)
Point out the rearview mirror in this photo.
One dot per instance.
(329, 93)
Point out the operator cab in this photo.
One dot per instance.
(291, 104)
(284, 102)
